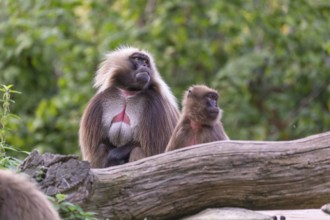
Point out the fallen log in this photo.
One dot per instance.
(257, 175)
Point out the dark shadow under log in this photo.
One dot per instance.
(250, 174)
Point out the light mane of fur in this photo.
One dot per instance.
(112, 62)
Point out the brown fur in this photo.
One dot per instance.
(197, 125)
(152, 111)
(20, 199)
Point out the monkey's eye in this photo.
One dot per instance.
(141, 60)
(145, 61)
(212, 96)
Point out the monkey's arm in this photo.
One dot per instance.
(136, 154)
(177, 138)
(158, 122)
(220, 132)
(91, 134)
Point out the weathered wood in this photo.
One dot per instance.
(248, 174)
(57, 173)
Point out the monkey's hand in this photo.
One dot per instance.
(120, 155)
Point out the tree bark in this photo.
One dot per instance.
(257, 175)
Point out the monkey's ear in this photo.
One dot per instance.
(189, 92)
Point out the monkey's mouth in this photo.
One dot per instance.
(213, 112)
(143, 78)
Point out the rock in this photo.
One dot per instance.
(326, 208)
(228, 213)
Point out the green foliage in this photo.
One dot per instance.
(5, 121)
(5, 114)
(69, 211)
(9, 162)
(41, 44)
(279, 75)
(270, 60)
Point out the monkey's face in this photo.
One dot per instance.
(131, 69)
(211, 103)
(207, 105)
(136, 74)
(201, 104)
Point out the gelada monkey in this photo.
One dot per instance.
(20, 199)
(200, 119)
(133, 113)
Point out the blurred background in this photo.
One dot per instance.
(269, 59)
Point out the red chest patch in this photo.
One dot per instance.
(122, 117)
(195, 127)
